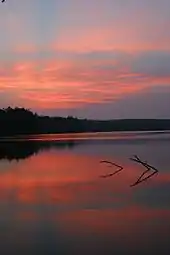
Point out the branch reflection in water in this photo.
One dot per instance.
(21, 150)
(135, 159)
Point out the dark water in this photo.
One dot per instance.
(52, 200)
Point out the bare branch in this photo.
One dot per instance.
(147, 166)
(113, 164)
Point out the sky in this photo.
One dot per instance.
(99, 59)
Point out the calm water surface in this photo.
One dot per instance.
(53, 201)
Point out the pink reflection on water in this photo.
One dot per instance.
(62, 192)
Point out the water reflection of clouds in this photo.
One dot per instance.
(56, 199)
(66, 178)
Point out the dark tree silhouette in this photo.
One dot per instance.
(20, 121)
(17, 121)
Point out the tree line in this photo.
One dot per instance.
(21, 121)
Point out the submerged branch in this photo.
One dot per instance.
(147, 166)
(113, 164)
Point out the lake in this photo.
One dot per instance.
(54, 201)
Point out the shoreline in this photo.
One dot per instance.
(82, 136)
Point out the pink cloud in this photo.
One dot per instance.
(72, 83)
(134, 35)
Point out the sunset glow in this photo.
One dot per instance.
(85, 57)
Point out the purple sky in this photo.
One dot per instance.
(94, 58)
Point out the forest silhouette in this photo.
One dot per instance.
(21, 121)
